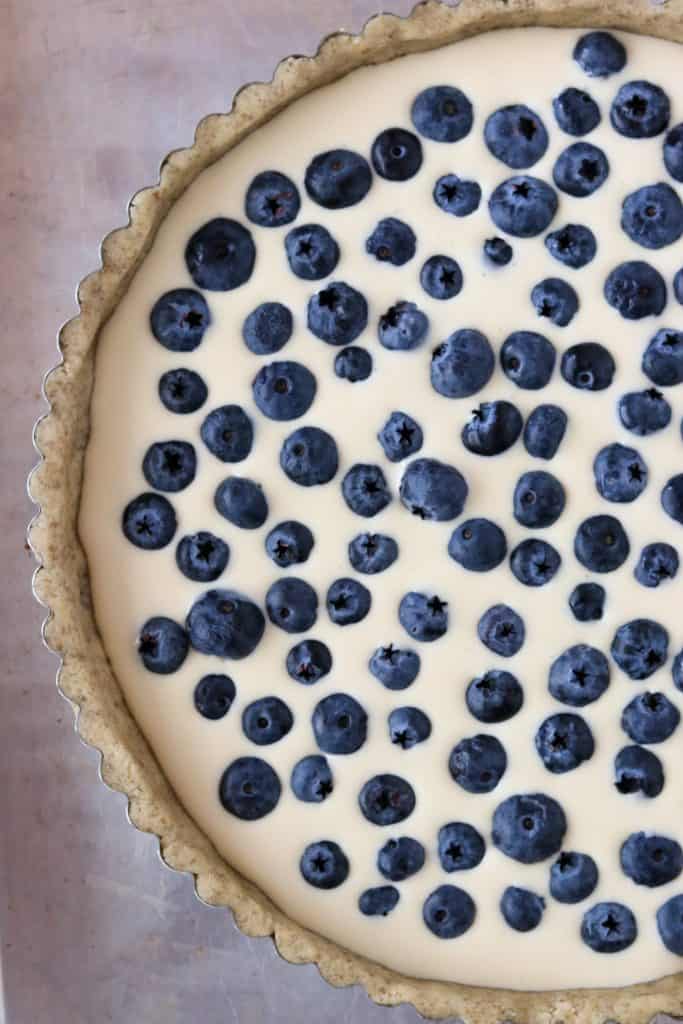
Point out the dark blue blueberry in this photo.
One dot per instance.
(441, 277)
(400, 436)
(529, 827)
(202, 556)
(348, 601)
(460, 847)
(162, 645)
(672, 498)
(544, 431)
(338, 314)
(574, 245)
(182, 391)
(268, 328)
(449, 912)
(576, 112)
(657, 562)
(338, 178)
(395, 667)
(396, 154)
(494, 697)
(640, 647)
(249, 788)
(408, 726)
(644, 412)
(424, 618)
(587, 602)
(478, 545)
(502, 630)
(673, 152)
(179, 319)
(312, 252)
(635, 289)
(378, 902)
(392, 241)
(213, 696)
(227, 433)
(442, 113)
(309, 457)
(620, 473)
(650, 718)
(266, 720)
(272, 200)
(478, 763)
(652, 216)
(663, 358)
(283, 391)
(386, 799)
(292, 604)
(573, 877)
(534, 562)
(609, 928)
(309, 661)
(400, 858)
(289, 543)
(678, 286)
(242, 502)
(365, 490)
(600, 54)
(403, 327)
(462, 364)
(170, 465)
(521, 908)
(601, 544)
(588, 366)
(372, 552)
(149, 521)
(528, 359)
(312, 779)
(637, 770)
(353, 363)
(580, 169)
(225, 624)
(324, 865)
(579, 676)
(564, 742)
(677, 671)
(220, 256)
(670, 924)
(498, 251)
(523, 206)
(453, 195)
(433, 490)
(340, 724)
(640, 110)
(555, 299)
(516, 135)
(493, 429)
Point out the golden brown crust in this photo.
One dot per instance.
(61, 581)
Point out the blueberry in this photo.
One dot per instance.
(640, 110)
(378, 902)
(340, 724)
(587, 602)
(433, 490)
(600, 54)
(386, 799)
(266, 720)
(170, 465)
(309, 661)
(179, 319)
(502, 630)
(620, 473)
(309, 457)
(460, 847)
(396, 154)
(403, 327)
(538, 499)
(348, 602)
(609, 928)
(283, 391)
(588, 366)
(555, 299)
(395, 667)
(579, 676)
(677, 671)
(392, 241)
(493, 429)
(670, 924)
(149, 521)
(441, 277)
(635, 289)
(312, 779)
(448, 912)
(338, 178)
(162, 645)
(353, 363)
(478, 763)
(268, 328)
(365, 490)
(312, 252)
(372, 552)
(652, 216)
(534, 562)
(640, 647)
(678, 285)
(544, 431)
(453, 195)
(442, 113)
(292, 604)
(564, 742)
(657, 562)
(580, 169)
(663, 358)
(462, 364)
(528, 359)
(220, 256)
(673, 152)
(408, 726)
(241, 502)
(225, 624)
(523, 206)
(601, 544)
(478, 545)
(202, 556)
(249, 788)
(272, 200)
(494, 697)
(521, 908)
(213, 696)
(529, 827)
(498, 251)
(644, 412)
(338, 314)
(400, 858)
(324, 865)
(638, 770)
(400, 436)
(182, 391)
(228, 433)
(573, 877)
(424, 618)
(672, 498)
(516, 135)
(574, 245)
(576, 112)
(650, 718)
(289, 543)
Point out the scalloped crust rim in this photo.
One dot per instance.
(61, 580)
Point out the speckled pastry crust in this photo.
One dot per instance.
(61, 581)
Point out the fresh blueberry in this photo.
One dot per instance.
(579, 676)
(678, 286)
(272, 200)
(600, 54)
(635, 289)
(502, 630)
(637, 770)
(182, 391)
(324, 865)
(478, 545)
(670, 924)
(179, 319)
(462, 364)
(534, 562)
(220, 256)
(588, 366)
(580, 169)
(149, 521)
(663, 358)
(202, 556)
(528, 359)
(170, 465)
(338, 178)
(448, 912)
(338, 314)
(268, 328)
(620, 473)
(395, 667)
(652, 216)
(609, 928)
(650, 718)
(340, 724)
(312, 252)
(644, 412)
(228, 433)
(498, 251)
(673, 152)
(657, 562)
(371, 553)
(400, 858)
(162, 645)
(574, 245)
(529, 827)
(478, 763)
(672, 498)
(386, 799)
(378, 902)
(573, 877)
(640, 647)
(283, 391)
(289, 543)
(348, 602)
(403, 327)
(564, 742)
(494, 697)
(576, 112)
(521, 908)
(516, 135)
(266, 720)
(392, 241)
(424, 618)
(433, 490)
(677, 671)
(312, 779)
(400, 436)
(601, 544)
(587, 602)
(523, 206)
(453, 195)
(396, 154)
(640, 110)
(353, 363)
(365, 490)
(242, 502)
(460, 847)
(225, 624)
(544, 431)
(555, 299)
(493, 428)
(213, 696)
(408, 726)
(538, 499)
(442, 113)
(309, 661)
(292, 604)
(249, 788)
(441, 277)
(309, 457)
